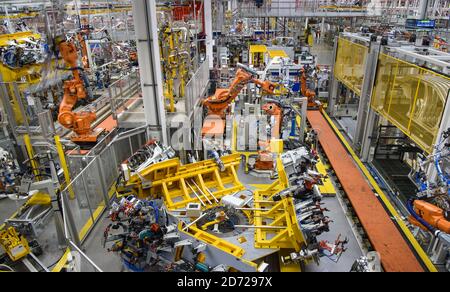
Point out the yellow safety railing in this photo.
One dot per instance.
(350, 64)
(411, 98)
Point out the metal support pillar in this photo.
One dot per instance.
(334, 84)
(423, 8)
(322, 29)
(303, 124)
(209, 33)
(366, 94)
(220, 16)
(366, 144)
(146, 27)
(445, 125)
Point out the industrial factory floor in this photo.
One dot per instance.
(340, 226)
(110, 262)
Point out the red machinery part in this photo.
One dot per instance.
(182, 12)
(75, 90)
(432, 214)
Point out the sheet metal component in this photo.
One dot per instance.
(9, 171)
(170, 179)
(150, 154)
(367, 264)
(18, 55)
(277, 227)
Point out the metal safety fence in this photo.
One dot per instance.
(411, 98)
(124, 97)
(89, 194)
(350, 64)
(196, 87)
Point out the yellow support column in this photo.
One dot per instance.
(62, 160)
(30, 152)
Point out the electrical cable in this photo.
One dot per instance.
(410, 207)
(7, 267)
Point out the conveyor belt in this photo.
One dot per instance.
(385, 237)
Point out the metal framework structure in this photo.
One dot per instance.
(391, 10)
(202, 183)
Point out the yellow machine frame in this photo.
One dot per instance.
(177, 68)
(214, 241)
(257, 55)
(30, 74)
(170, 181)
(15, 245)
(20, 15)
(276, 223)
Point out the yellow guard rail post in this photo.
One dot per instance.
(64, 166)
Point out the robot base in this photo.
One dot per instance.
(87, 142)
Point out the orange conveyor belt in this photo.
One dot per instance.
(385, 237)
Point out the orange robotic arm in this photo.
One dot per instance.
(274, 110)
(431, 214)
(218, 103)
(84, 51)
(75, 90)
(311, 95)
(265, 160)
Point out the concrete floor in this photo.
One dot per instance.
(7, 209)
(340, 226)
(47, 237)
(93, 247)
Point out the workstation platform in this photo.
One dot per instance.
(396, 252)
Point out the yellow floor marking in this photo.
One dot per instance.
(84, 231)
(328, 187)
(62, 262)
